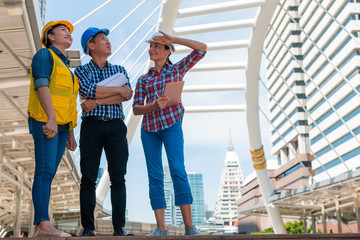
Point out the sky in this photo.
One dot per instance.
(206, 135)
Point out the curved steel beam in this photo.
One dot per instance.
(257, 39)
(166, 22)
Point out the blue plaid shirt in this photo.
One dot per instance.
(89, 76)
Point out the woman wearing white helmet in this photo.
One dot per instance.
(162, 125)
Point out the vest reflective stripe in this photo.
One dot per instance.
(63, 95)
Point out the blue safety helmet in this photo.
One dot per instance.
(89, 34)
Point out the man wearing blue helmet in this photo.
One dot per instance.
(102, 127)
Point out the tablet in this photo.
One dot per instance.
(173, 90)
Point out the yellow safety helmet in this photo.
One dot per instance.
(51, 24)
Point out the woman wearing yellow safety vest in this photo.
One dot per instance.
(52, 117)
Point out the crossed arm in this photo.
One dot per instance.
(107, 96)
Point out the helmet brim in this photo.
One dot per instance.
(172, 48)
(53, 23)
(91, 36)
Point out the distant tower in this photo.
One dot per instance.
(173, 214)
(198, 206)
(42, 8)
(229, 189)
(169, 198)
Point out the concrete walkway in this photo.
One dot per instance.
(348, 236)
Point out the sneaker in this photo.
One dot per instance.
(193, 231)
(41, 234)
(158, 232)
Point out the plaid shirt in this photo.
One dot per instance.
(89, 76)
(153, 83)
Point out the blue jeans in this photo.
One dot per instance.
(173, 140)
(48, 153)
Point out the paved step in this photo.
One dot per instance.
(345, 236)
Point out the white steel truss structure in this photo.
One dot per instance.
(257, 24)
(245, 21)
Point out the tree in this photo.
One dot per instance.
(291, 228)
(294, 227)
(268, 230)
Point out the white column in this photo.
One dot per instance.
(284, 155)
(51, 213)
(338, 215)
(304, 218)
(257, 39)
(303, 145)
(338, 218)
(1, 161)
(31, 221)
(324, 219)
(357, 210)
(292, 151)
(313, 222)
(19, 196)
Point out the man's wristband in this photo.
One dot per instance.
(96, 103)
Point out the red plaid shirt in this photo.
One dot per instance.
(153, 83)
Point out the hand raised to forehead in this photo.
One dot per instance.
(164, 39)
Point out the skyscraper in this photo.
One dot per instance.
(171, 210)
(313, 70)
(173, 214)
(198, 206)
(41, 4)
(312, 49)
(229, 189)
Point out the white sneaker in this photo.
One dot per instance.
(158, 232)
(193, 231)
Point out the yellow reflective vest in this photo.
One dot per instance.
(63, 95)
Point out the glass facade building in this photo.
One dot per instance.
(171, 209)
(313, 82)
(173, 214)
(42, 7)
(198, 206)
(313, 57)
